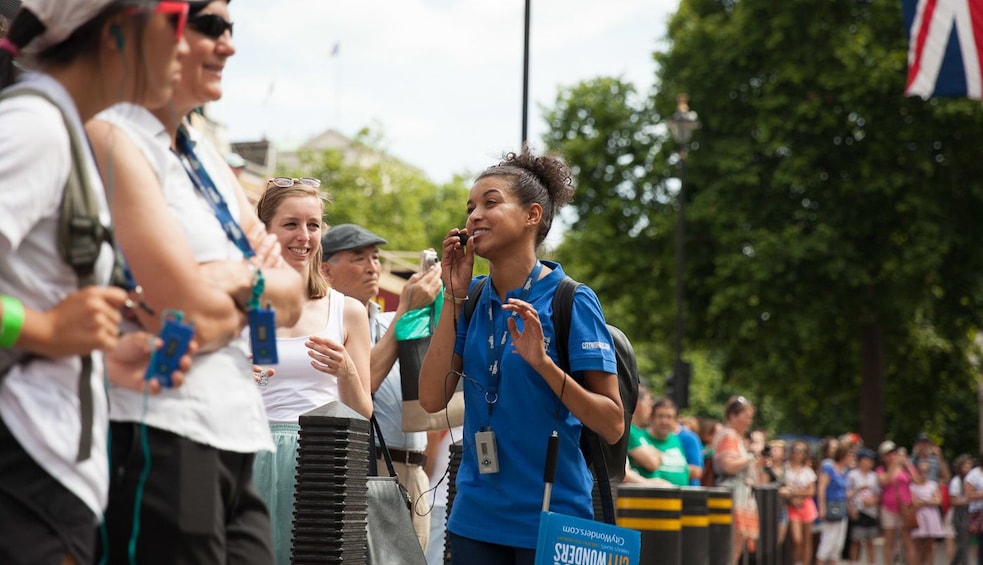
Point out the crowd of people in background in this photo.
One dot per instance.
(837, 496)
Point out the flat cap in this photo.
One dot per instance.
(347, 236)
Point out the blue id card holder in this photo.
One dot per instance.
(262, 336)
(176, 336)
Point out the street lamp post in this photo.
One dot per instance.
(681, 125)
(525, 76)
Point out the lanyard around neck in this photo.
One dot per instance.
(206, 187)
(496, 354)
(203, 183)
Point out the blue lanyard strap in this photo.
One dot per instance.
(203, 183)
(494, 370)
(206, 187)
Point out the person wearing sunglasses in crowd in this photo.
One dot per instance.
(323, 358)
(516, 394)
(85, 56)
(194, 244)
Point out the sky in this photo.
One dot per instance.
(441, 80)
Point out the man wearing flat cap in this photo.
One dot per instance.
(350, 255)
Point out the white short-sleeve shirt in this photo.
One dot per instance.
(219, 404)
(39, 400)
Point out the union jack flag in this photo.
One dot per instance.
(944, 40)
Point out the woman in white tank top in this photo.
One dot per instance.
(324, 357)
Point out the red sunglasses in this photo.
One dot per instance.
(177, 13)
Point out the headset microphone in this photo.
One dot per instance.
(117, 33)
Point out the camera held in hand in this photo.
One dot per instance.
(428, 258)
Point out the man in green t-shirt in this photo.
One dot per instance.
(643, 457)
(673, 467)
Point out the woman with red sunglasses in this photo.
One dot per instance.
(85, 56)
(194, 243)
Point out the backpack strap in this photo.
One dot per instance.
(80, 238)
(562, 314)
(80, 233)
(472, 302)
(604, 484)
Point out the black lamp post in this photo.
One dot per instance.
(681, 125)
(525, 76)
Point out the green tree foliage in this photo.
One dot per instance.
(620, 240)
(603, 129)
(833, 269)
(393, 199)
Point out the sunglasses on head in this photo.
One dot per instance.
(210, 25)
(287, 182)
(177, 14)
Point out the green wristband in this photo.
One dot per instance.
(259, 285)
(12, 321)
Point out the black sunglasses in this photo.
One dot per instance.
(211, 25)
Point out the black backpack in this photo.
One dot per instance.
(606, 461)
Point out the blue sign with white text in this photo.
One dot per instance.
(565, 540)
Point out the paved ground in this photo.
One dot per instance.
(940, 558)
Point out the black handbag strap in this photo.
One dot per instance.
(376, 432)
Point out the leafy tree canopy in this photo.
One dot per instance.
(832, 265)
(391, 198)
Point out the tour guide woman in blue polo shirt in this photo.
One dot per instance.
(515, 392)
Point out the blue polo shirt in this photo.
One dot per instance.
(504, 507)
(692, 449)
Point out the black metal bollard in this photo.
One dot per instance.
(655, 512)
(330, 501)
(695, 539)
(457, 451)
(766, 549)
(720, 503)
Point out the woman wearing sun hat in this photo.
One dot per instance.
(86, 55)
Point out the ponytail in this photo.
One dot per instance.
(26, 26)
